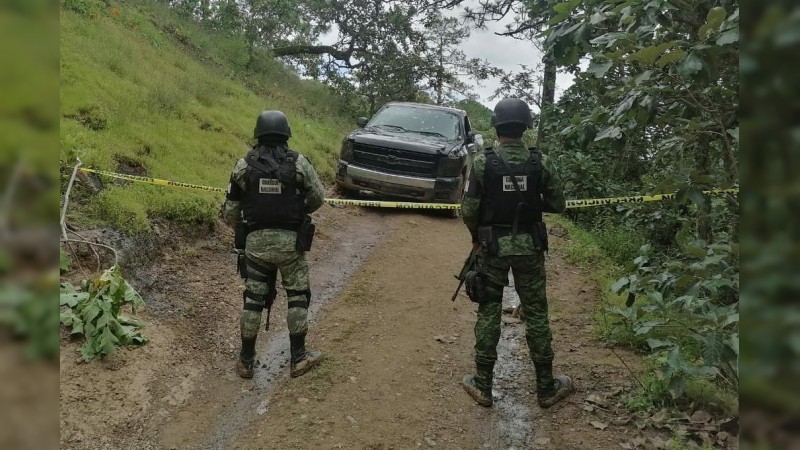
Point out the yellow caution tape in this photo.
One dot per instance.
(636, 199)
(586, 203)
(155, 181)
(384, 204)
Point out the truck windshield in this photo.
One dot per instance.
(413, 119)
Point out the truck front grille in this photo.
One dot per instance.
(392, 160)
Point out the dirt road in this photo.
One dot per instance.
(395, 350)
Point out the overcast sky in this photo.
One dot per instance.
(503, 52)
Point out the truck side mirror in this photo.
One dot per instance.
(470, 137)
(362, 121)
(478, 141)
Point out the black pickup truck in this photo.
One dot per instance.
(409, 150)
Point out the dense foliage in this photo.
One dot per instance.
(657, 111)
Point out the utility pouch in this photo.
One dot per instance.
(241, 264)
(240, 236)
(539, 234)
(487, 238)
(305, 235)
(476, 286)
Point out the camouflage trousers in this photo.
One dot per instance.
(529, 281)
(270, 252)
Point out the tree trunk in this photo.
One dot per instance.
(703, 165)
(250, 55)
(548, 98)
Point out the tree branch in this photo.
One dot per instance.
(341, 55)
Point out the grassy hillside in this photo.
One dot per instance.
(146, 92)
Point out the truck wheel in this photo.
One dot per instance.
(344, 192)
(456, 213)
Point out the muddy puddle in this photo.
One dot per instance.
(510, 424)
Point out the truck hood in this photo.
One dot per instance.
(403, 141)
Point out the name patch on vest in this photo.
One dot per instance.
(269, 186)
(508, 185)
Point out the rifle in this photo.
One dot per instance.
(469, 265)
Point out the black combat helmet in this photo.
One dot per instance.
(272, 122)
(510, 111)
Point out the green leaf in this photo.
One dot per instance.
(697, 197)
(714, 19)
(713, 348)
(597, 18)
(612, 132)
(599, 69)
(728, 37)
(619, 285)
(690, 66)
(657, 343)
(646, 327)
(656, 296)
(676, 387)
(107, 342)
(734, 133)
(86, 351)
(641, 78)
(702, 371)
(696, 251)
(733, 343)
(670, 57)
(731, 318)
(648, 55)
(609, 38)
(63, 261)
(72, 299)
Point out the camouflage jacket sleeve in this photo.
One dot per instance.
(471, 202)
(315, 192)
(552, 190)
(232, 208)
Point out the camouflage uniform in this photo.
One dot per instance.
(526, 263)
(274, 250)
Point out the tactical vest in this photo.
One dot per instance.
(273, 197)
(501, 203)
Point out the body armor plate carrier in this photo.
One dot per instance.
(273, 198)
(505, 203)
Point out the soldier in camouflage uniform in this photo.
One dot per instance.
(504, 215)
(274, 189)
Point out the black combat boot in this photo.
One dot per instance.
(247, 358)
(549, 389)
(302, 360)
(479, 386)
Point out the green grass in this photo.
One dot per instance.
(147, 88)
(584, 249)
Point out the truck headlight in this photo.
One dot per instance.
(346, 152)
(450, 166)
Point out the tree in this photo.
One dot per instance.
(531, 19)
(446, 61)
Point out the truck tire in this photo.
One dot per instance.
(456, 213)
(344, 192)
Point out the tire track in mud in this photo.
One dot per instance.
(346, 249)
(510, 423)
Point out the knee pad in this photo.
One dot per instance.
(299, 303)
